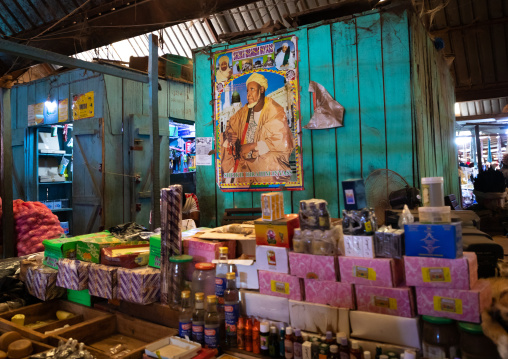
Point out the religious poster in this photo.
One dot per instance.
(63, 110)
(257, 117)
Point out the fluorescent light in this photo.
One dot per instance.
(462, 140)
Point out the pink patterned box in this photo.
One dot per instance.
(280, 285)
(460, 273)
(392, 301)
(311, 266)
(335, 294)
(463, 305)
(376, 272)
(203, 250)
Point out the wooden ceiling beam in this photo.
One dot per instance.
(472, 26)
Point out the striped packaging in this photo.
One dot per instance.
(102, 281)
(72, 274)
(41, 283)
(171, 235)
(140, 285)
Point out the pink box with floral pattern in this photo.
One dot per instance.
(280, 285)
(463, 305)
(312, 266)
(335, 294)
(460, 273)
(392, 301)
(377, 272)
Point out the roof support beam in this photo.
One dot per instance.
(153, 93)
(62, 60)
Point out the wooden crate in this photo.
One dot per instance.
(38, 347)
(47, 311)
(154, 313)
(108, 332)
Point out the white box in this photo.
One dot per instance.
(386, 328)
(49, 204)
(185, 349)
(57, 204)
(318, 317)
(307, 350)
(359, 246)
(247, 277)
(273, 259)
(265, 306)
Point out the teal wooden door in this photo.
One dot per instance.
(88, 170)
(140, 165)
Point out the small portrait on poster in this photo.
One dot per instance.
(224, 68)
(285, 55)
(269, 62)
(258, 63)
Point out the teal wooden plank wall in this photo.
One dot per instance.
(365, 63)
(115, 100)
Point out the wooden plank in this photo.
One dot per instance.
(164, 99)
(8, 237)
(372, 115)
(205, 175)
(177, 97)
(305, 115)
(189, 103)
(345, 63)
(470, 43)
(397, 94)
(324, 142)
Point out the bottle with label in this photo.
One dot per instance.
(273, 342)
(248, 334)
(221, 270)
(344, 347)
(289, 344)
(355, 352)
(212, 323)
(334, 351)
(324, 351)
(255, 337)
(264, 333)
(185, 317)
(315, 348)
(282, 337)
(329, 338)
(298, 241)
(240, 333)
(297, 346)
(231, 309)
(198, 319)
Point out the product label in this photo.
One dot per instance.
(385, 302)
(231, 313)
(263, 342)
(350, 196)
(288, 349)
(212, 336)
(272, 259)
(430, 275)
(298, 353)
(198, 332)
(435, 352)
(450, 305)
(364, 272)
(185, 329)
(368, 227)
(279, 287)
(220, 287)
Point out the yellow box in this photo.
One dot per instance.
(272, 206)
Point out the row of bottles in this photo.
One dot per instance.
(316, 242)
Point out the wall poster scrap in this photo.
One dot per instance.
(257, 117)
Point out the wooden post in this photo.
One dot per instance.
(8, 237)
(153, 93)
(479, 151)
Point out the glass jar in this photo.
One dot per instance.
(474, 344)
(203, 279)
(298, 241)
(440, 338)
(178, 268)
(307, 238)
(317, 242)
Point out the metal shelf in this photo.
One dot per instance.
(56, 154)
(62, 182)
(62, 210)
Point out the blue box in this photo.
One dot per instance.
(65, 227)
(434, 240)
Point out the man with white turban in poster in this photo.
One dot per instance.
(285, 58)
(257, 140)
(224, 72)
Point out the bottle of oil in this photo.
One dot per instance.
(248, 334)
(185, 317)
(273, 342)
(231, 309)
(198, 319)
(289, 344)
(212, 323)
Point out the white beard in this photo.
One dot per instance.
(252, 105)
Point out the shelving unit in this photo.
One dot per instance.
(54, 186)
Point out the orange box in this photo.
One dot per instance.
(277, 233)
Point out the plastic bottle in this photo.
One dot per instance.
(366, 355)
(198, 319)
(289, 344)
(185, 316)
(324, 350)
(240, 333)
(221, 270)
(334, 351)
(329, 338)
(255, 337)
(297, 345)
(273, 342)
(344, 347)
(212, 323)
(264, 333)
(282, 337)
(231, 309)
(248, 334)
(355, 352)
(298, 241)
(315, 348)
